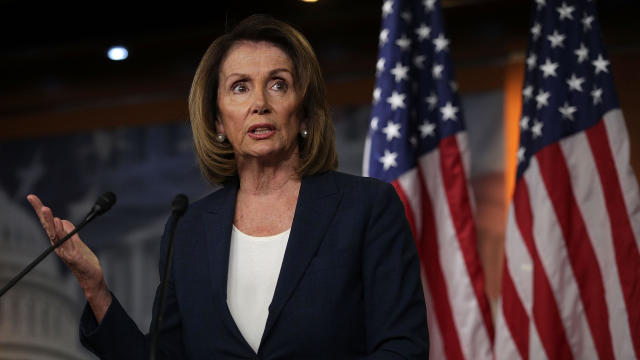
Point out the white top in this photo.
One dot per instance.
(254, 266)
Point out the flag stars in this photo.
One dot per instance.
(527, 92)
(400, 72)
(432, 100)
(521, 154)
(429, 5)
(441, 43)
(575, 83)
(548, 69)
(536, 30)
(403, 43)
(384, 36)
(406, 16)
(377, 92)
(532, 59)
(418, 61)
(449, 112)
(582, 53)
(586, 22)
(388, 160)
(565, 11)
(387, 8)
(542, 99)
(380, 66)
(436, 70)
(601, 64)
(567, 111)
(423, 32)
(556, 39)
(392, 130)
(536, 129)
(374, 123)
(540, 4)
(396, 100)
(596, 94)
(524, 123)
(427, 129)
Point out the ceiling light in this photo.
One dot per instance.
(117, 53)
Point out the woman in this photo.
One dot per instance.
(290, 259)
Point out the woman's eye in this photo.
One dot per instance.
(280, 86)
(239, 87)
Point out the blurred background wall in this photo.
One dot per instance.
(74, 123)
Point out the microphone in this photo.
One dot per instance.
(102, 205)
(179, 206)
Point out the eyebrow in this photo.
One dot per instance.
(271, 73)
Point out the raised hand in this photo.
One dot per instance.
(76, 254)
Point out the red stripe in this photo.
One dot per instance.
(626, 249)
(582, 257)
(429, 256)
(515, 315)
(408, 211)
(455, 185)
(545, 310)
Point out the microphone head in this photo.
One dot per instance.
(180, 204)
(104, 203)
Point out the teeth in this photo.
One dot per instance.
(261, 130)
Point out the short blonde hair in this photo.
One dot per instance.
(216, 159)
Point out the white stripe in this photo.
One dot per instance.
(619, 142)
(520, 266)
(536, 349)
(367, 156)
(550, 244)
(410, 183)
(465, 151)
(587, 189)
(466, 312)
(519, 262)
(505, 347)
(436, 346)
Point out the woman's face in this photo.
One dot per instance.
(259, 110)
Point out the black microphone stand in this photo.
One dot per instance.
(104, 203)
(178, 206)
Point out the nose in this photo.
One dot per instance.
(260, 105)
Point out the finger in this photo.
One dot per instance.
(59, 229)
(69, 227)
(44, 214)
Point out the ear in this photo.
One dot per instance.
(219, 126)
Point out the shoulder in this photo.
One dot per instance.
(215, 201)
(364, 190)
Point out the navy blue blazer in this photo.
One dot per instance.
(349, 286)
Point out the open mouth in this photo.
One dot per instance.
(260, 130)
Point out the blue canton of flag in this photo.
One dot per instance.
(415, 101)
(568, 84)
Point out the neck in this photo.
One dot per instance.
(260, 178)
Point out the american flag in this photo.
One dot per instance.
(571, 276)
(417, 141)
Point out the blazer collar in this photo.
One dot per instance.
(317, 202)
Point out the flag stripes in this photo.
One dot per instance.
(578, 270)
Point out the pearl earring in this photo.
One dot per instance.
(220, 137)
(304, 133)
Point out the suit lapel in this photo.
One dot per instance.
(218, 221)
(317, 202)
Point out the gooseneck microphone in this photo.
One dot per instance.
(178, 208)
(102, 205)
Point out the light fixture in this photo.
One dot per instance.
(117, 53)
(309, 1)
